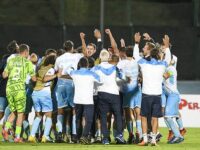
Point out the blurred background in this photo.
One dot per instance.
(46, 24)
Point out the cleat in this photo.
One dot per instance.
(138, 139)
(18, 140)
(68, 139)
(98, 139)
(59, 138)
(74, 138)
(32, 139)
(84, 140)
(120, 139)
(183, 131)
(176, 140)
(158, 137)
(168, 142)
(131, 139)
(92, 140)
(47, 140)
(105, 141)
(5, 135)
(149, 137)
(143, 143)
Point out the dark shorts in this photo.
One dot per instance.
(151, 106)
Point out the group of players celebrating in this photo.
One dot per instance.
(75, 93)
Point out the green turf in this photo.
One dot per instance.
(192, 142)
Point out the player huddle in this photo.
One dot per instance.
(75, 92)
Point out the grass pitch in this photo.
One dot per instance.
(191, 142)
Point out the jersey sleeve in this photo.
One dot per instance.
(50, 72)
(7, 68)
(31, 70)
(167, 56)
(136, 52)
(96, 77)
(56, 65)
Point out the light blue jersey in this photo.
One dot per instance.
(131, 91)
(131, 70)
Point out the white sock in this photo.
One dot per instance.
(145, 138)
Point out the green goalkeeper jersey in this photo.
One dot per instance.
(18, 68)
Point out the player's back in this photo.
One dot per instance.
(131, 70)
(152, 75)
(18, 68)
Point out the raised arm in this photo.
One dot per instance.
(136, 51)
(112, 42)
(122, 42)
(166, 49)
(97, 35)
(147, 37)
(84, 47)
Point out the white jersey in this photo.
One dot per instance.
(12, 56)
(108, 74)
(170, 85)
(67, 62)
(84, 81)
(130, 69)
(152, 76)
(28, 78)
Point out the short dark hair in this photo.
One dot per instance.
(49, 51)
(12, 47)
(92, 44)
(78, 49)
(23, 48)
(83, 63)
(115, 58)
(122, 49)
(68, 45)
(129, 51)
(60, 52)
(51, 59)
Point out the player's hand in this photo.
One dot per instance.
(59, 73)
(82, 35)
(97, 34)
(166, 41)
(146, 36)
(108, 31)
(122, 43)
(137, 37)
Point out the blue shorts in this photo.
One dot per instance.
(3, 104)
(64, 93)
(151, 106)
(132, 99)
(164, 100)
(42, 101)
(172, 105)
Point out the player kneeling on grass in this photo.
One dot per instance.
(17, 70)
(84, 81)
(172, 103)
(42, 100)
